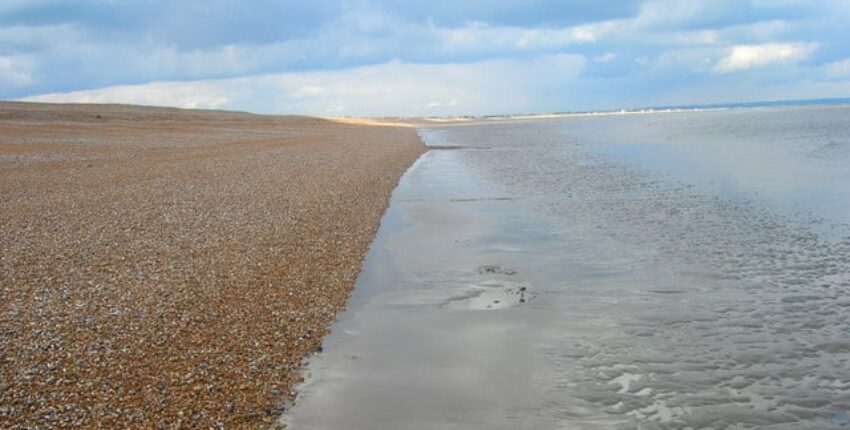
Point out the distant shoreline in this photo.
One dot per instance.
(450, 119)
(647, 110)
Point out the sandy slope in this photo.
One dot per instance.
(169, 268)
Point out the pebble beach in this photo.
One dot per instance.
(166, 269)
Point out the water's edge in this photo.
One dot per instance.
(529, 277)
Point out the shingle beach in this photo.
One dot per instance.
(164, 268)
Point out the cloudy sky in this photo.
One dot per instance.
(423, 57)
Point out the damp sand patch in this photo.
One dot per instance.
(497, 294)
(491, 294)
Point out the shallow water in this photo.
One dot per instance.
(683, 270)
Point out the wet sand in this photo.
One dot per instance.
(443, 341)
(162, 268)
(651, 272)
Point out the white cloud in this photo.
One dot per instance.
(13, 72)
(69, 56)
(697, 37)
(693, 60)
(204, 95)
(771, 4)
(667, 46)
(743, 57)
(765, 31)
(605, 58)
(476, 38)
(495, 86)
(837, 70)
(655, 13)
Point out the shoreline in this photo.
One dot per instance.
(432, 335)
(564, 277)
(173, 267)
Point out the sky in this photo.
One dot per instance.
(423, 58)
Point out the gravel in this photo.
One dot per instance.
(163, 268)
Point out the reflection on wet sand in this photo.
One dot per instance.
(654, 301)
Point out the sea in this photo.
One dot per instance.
(667, 270)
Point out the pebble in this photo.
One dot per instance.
(156, 264)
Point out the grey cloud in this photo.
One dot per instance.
(188, 24)
(50, 46)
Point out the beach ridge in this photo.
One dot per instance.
(166, 268)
